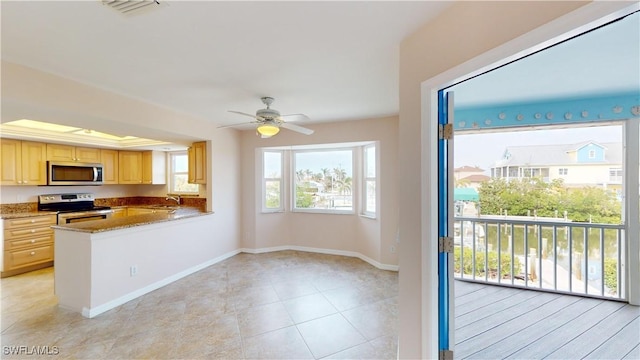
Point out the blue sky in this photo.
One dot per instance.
(315, 161)
(312, 160)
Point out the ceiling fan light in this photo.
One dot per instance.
(267, 130)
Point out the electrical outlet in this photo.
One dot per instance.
(393, 249)
(133, 270)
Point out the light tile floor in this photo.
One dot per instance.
(280, 305)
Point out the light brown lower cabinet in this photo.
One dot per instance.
(28, 244)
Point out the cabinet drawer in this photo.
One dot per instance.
(19, 258)
(29, 221)
(30, 242)
(10, 234)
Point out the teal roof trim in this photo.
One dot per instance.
(610, 107)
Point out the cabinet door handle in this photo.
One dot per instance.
(33, 253)
(32, 221)
(32, 241)
(33, 230)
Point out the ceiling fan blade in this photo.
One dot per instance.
(245, 114)
(296, 117)
(234, 125)
(297, 128)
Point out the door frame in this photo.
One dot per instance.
(582, 20)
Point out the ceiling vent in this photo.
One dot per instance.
(133, 7)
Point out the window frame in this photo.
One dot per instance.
(265, 180)
(292, 186)
(171, 174)
(616, 175)
(366, 179)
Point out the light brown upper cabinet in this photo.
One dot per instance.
(58, 152)
(129, 167)
(109, 161)
(141, 167)
(23, 162)
(198, 163)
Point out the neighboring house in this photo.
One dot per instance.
(469, 177)
(587, 163)
(465, 171)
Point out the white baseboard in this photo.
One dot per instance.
(323, 251)
(92, 312)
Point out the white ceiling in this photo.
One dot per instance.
(330, 60)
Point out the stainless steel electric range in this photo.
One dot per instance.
(73, 207)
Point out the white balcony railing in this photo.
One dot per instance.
(546, 254)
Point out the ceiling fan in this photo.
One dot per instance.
(269, 121)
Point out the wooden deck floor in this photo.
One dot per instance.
(494, 322)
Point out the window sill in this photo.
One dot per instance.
(272, 211)
(323, 211)
(368, 216)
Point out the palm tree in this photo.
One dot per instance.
(340, 173)
(326, 178)
(344, 186)
(300, 176)
(308, 173)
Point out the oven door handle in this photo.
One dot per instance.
(95, 173)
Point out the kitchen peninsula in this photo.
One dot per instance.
(103, 264)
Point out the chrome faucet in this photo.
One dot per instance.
(174, 198)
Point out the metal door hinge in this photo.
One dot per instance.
(445, 132)
(445, 244)
(445, 355)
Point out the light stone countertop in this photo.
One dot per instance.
(97, 226)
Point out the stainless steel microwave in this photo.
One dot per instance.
(73, 173)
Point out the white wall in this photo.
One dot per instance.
(36, 95)
(585, 174)
(370, 237)
(467, 38)
(93, 272)
(32, 94)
